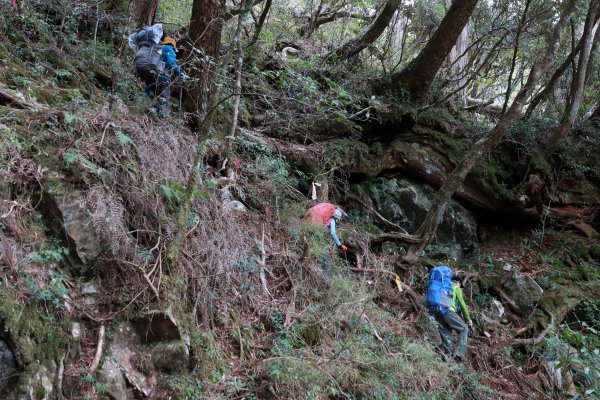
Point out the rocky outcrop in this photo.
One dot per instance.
(111, 377)
(8, 367)
(38, 382)
(524, 291)
(157, 327)
(120, 356)
(406, 203)
(70, 220)
(139, 351)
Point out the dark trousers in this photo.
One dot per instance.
(157, 87)
(448, 323)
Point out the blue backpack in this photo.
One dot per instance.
(439, 290)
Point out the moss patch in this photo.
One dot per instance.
(37, 336)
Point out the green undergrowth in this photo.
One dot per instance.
(344, 345)
(326, 334)
(37, 335)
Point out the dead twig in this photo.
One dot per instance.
(98, 349)
(263, 264)
(146, 277)
(414, 297)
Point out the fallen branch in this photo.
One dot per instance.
(98, 354)
(395, 237)
(513, 306)
(263, 264)
(414, 297)
(8, 100)
(59, 377)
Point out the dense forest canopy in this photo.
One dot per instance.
(157, 245)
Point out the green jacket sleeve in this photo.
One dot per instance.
(462, 304)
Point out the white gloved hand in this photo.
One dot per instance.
(470, 323)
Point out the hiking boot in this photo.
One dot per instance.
(459, 359)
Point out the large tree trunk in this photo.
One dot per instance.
(439, 204)
(145, 11)
(578, 84)
(417, 77)
(458, 59)
(205, 32)
(358, 43)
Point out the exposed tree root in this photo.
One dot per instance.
(8, 100)
(538, 339)
(98, 354)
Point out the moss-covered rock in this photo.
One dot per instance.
(169, 357)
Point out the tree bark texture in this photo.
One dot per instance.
(358, 43)
(238, 68)
(145, 12)
(205, 33)
(458, 59)
(578, 85)
(513, 62)
(261, 21)
(417, 77)
(439, 204)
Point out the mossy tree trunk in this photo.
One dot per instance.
(417, 77)
(205, 32)
(427, 230)
(371, 33)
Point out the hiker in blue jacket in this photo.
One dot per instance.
(331, 225)
(156, 65)
(161, 86)
(337, 215)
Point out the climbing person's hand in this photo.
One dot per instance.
(470, 323)
(344, 248)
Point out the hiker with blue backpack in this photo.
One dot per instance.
(445, 303)
(156, 65)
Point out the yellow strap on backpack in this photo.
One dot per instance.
(399, 284)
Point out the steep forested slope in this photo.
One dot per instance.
(96, 301)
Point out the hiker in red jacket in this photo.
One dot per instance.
(329, 215)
